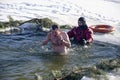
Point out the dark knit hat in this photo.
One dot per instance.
(54, 27)
(82, 19)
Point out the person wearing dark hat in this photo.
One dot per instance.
(59, 39)
(81, 34)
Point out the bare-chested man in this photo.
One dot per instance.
(60, 40)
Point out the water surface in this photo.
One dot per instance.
(21, 56)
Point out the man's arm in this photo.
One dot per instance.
(44, 42)
(66, 41)
(89, 36)
(71, 33)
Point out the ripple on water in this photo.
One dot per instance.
(22, 57)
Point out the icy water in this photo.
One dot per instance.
(21, 56)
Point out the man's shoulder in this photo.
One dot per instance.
(90, 30)
(74, 28)
(64, 32)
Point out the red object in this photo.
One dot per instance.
(81, 34)
(102, 28)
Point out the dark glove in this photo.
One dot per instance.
(87, 43)
(82, 42)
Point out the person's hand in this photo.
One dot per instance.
(59, 35)
(87, 43)
(54, 43)
(43, 43)
(82, 42)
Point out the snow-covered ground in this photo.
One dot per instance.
(67, 12)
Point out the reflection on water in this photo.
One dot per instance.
(21, 56)
(55, 62)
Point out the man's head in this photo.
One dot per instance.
(54, 27)
(81, 21)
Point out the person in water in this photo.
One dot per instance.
(59, 39)
(81, 34)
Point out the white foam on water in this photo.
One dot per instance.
(87, 78)
(112, 76)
